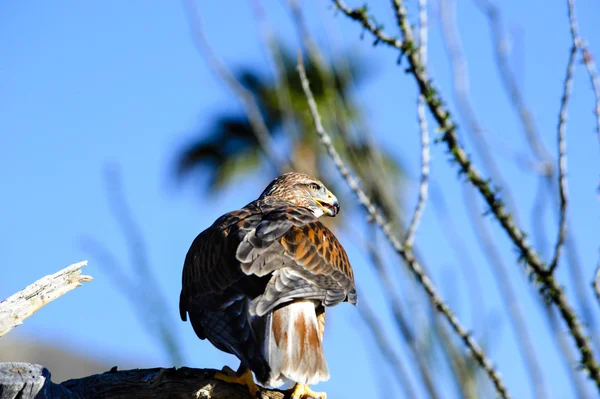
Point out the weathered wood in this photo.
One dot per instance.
(18, 307)
(29, 381)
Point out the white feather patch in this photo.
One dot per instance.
(293, 346)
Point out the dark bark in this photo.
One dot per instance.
(32, 381)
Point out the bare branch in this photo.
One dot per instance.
(562, 141)
(406, 253)
(18, 307)
(259, 126)
(422, 119)
(551, 288)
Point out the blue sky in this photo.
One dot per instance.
(86, 84)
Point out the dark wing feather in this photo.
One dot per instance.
(210, 265)
(307, 260)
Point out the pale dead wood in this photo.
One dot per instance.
(29, 381)
(16, 308)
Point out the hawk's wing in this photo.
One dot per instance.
(210, 265)
(306, 259)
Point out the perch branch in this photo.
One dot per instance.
(550, 287)
(406, 253)
(16, 308)
(29, 381)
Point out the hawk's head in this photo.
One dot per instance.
(303, 190)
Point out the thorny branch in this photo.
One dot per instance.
(550, 287)
(422, 119)
(405, 252)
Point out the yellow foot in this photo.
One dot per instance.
(301, 391)
(228, 375)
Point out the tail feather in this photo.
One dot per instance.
(293, 345)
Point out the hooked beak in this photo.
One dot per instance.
(331, 206)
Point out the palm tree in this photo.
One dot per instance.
(229, 148)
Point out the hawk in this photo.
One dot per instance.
(256, 284)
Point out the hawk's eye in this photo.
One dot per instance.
(314, 186)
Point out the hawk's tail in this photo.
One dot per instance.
(293, 344)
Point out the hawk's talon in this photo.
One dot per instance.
(228, 371)
(245, 378)
(302, 391)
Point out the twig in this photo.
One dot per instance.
(406, 253)
(590, 65)
(568, 358)
(142, 287)
(252, 110)
(507, 293)
(381, 179)
(466, 378)
(18, 307)
(492, 12)
(460, 85)
(550, 286)
(386, 349)
(456, 241)
(282, 87)
(422, 119)
(29, 381)
(596, 282)
(562, 141)
(404, 326)
(588, 60)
